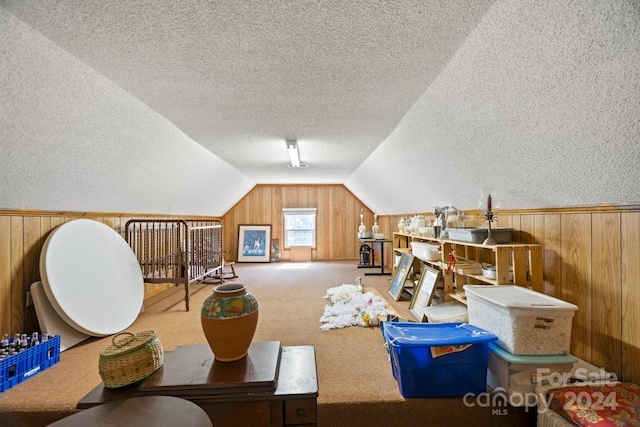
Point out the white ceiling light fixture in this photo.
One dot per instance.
(294, 156)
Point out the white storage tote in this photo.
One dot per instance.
(447, 312)
(519, 375)
(426, 251)
(526, 322)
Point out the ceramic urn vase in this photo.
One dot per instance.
(229, 318)
(375, 228)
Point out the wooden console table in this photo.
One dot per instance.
(234, 393)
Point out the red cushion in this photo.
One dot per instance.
(617, 404)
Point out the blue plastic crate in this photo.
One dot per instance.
(395, 320)
(438, 359)
(22, 366)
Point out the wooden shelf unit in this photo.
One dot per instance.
(525, 259)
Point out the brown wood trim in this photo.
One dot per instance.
(76, 214)
(80, 214)
(571, 209)
(562, 210)
(298, 185)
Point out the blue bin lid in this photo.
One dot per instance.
(434, 334)
(555, 359)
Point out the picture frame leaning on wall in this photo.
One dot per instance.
(254, 243)
(399, 279)
(429, 278)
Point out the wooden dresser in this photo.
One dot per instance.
(249, 392)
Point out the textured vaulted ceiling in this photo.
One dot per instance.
(241, 77)
(181, 107)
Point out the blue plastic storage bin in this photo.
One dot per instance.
(438, 359)
(22, 366)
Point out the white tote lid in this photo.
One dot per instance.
(513, 296)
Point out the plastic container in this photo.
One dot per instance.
(466, 268)
(396, 259)
(489, 271)
(447, 312)
(519, 375)
(25, 364)
(478, 235)
(438, 359)
(425, 251)
(526, 322)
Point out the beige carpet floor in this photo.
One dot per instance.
(356, 387)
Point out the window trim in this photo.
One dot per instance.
(300, 211)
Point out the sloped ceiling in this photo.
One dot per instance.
(241, 77)
(410, 104)
(540, 106)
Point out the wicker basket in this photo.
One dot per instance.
(131, 358)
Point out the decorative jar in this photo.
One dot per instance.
(229, 317)
(362, 229)
(375, 228)
(419, 222)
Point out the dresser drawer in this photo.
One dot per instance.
(300, 411)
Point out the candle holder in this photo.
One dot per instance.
(490, 216)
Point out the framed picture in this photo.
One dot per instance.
(423, 294)
(275, 249)
(399, 279)
(254, 243)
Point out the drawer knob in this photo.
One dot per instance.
(300, 412)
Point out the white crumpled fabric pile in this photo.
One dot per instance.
(352, 307)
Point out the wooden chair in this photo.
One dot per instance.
(225, 274)
(222, 273)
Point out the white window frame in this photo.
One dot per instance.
(299, 211)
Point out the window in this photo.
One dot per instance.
(299, 227)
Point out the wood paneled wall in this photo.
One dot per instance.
(22, 235)
(591, 258)
(338, 217)
(21, 239)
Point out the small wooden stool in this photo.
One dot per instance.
(157, 411)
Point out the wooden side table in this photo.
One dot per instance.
(292, 403)
(157, 411)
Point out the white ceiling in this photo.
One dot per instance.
(241, 77)
(182, 107)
